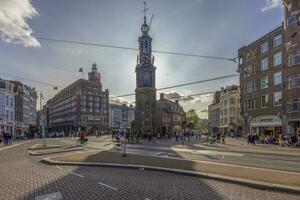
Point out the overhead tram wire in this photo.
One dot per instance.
(27, 79)
(185, 84)
(181, 98)
(126, 48)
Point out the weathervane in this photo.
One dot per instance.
(146, 28)
(145, 11)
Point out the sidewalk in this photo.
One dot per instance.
(234, 171)
(231, 145)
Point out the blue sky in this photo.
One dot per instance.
(207, 27)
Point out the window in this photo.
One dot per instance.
(7, 115)
(250, 70)
(264, 82)
(292, 20)
(250, 87)
(248, 56)
(277, 59)
(277, 78)
(241, 60)
(264, 65)
(277, 41)
(225, 111)
(251, 104)
(264, 47)
(232, 111)
(7, 101)
(294, 81)
(294, 105)
(277, 98)
(11, 116)
(264, 101)
(294, 59)
(232, 101)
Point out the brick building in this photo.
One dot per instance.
(171, 116)
(270, 78)
(80, 106)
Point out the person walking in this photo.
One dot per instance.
(1, 136)
(10, 138)
(182, 138)
(5, 138)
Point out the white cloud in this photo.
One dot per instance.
(271, 4)
(120, 100)
(13, 24)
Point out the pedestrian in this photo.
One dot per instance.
(9, 138)
(177, 136)
(249, 139)
(182, 138)
(5, 138)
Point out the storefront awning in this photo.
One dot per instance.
(266, 124)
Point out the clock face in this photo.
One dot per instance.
(145, 28)
(147, 79)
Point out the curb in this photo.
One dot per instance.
(251, 183)
(42, 148)
(33, 153)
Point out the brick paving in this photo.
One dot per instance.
(24, 177)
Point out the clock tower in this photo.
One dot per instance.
(145, 92)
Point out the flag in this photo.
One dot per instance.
(80, 70)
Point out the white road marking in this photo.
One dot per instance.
(77, 174)
(58, 167)
(147, 199)
(50, 196)
(108, 186)
(11, 146)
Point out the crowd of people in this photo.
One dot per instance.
(6, 138)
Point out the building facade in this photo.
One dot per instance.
(292, 74)
(145, 92)
(171, 116)
(230, 110)
(25, 110)
(120, 115)
(261, 68)
(270, 78)
(80, 106)
(7, 107)
(214, 113)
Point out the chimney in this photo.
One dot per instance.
(162, 96)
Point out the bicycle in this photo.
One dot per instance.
(81, 142)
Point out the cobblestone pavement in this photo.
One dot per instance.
(24, 177)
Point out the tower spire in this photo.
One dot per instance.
(145, 12)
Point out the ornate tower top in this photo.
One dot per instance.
(145, 28)
(94, 75)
